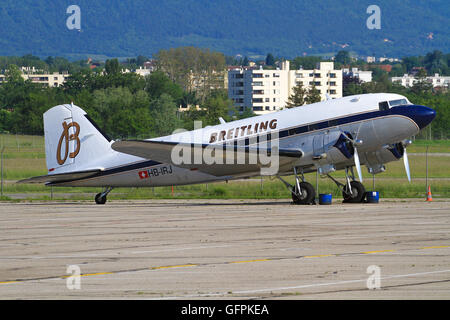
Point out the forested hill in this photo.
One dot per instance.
(248, 27)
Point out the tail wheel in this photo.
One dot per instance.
(306, 196)
(357, 194)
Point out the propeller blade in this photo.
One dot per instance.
(358, 165)
(406, 163)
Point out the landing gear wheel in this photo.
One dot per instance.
(99, 199)
(306, 196)
(357, 195)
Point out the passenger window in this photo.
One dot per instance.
(383, 106)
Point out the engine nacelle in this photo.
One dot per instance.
(375, 160)
(331, 149)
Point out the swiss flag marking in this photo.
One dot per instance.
(143, 174)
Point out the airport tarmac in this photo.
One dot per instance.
(225, 249)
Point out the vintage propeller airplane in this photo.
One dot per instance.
(337, 134)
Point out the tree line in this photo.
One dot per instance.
(122, 104)
(128, 105)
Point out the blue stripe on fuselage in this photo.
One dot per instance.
(413, 112)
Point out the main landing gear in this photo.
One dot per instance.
(302, 192)
(100, 198)
(353, 191)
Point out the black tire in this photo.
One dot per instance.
(307, 196)
(357, 195)
(99, 199)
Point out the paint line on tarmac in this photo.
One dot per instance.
(338, 282)
(321, 256)
(304, 286)
(248, 261)
(228, 263)
(58, 256)
(378, 251)
(7, 282)
(435, 247)
(176, 266)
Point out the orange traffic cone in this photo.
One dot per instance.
(429, 198)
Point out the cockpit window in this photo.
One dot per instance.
(383, 106)
(398, 102)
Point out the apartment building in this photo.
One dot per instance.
(267, 91)
(50, 79)
(363, 76)
(437, 80)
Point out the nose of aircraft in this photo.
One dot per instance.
(422, 115)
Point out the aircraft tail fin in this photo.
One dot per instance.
(73, 142)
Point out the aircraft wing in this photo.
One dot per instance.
(226, 160)
(61, 177)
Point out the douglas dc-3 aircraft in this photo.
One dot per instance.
(336, 134)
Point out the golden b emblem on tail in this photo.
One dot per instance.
(66, 137)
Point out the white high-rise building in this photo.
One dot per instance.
(436, 80)
(268, 90)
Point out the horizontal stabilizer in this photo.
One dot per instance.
(61, 177)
